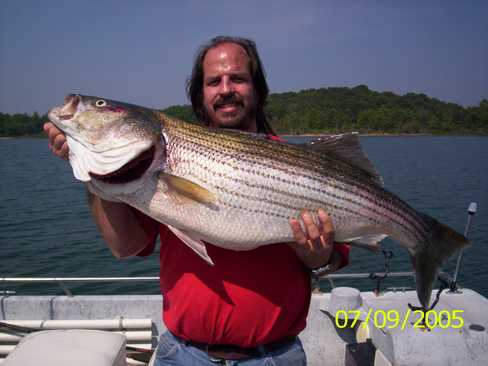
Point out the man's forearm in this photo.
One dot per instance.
(119, 226)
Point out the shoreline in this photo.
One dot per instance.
(386, 135)
(40, 136)
(379, 134)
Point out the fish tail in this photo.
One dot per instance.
(443, 243)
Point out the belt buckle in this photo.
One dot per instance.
(228, 355)
(215, 360)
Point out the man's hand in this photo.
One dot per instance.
(314, 245)
(57, 140)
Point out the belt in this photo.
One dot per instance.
(230, 352)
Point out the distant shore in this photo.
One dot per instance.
(40, 135)
(311, 135)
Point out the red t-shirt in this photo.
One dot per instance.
(248, 298)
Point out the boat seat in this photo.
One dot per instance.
(74, 347)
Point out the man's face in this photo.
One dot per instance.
(228, 90)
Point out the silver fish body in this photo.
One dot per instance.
(238, 191)
(260, 184)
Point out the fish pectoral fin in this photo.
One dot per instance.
(186, 191)
(347, 147)
(368, 242)
(196, 245)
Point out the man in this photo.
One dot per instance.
(250, 306)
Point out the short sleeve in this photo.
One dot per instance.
(150, 226)
(343, 250)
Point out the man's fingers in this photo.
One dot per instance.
(52, 132)
(298, 233)
(310, 225)
(64, 152)
(59, 141)
(56, 140)
(49, 128)
(316, 236)
(327, 226)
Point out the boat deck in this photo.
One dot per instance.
(394, 338)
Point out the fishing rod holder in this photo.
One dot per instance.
(380, 278)
(453, 286)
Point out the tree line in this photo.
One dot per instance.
(332, 110)
(21, 124)
(367, 111)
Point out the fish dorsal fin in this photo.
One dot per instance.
(194, 244)
(347, 147)
(186, 191)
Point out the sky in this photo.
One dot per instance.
(142, 51)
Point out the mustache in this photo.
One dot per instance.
(232, 99)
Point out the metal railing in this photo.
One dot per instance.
(451, 281)
(62, 281)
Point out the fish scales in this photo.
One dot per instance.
(216, 151)
(249, 148)
(268, 180)
(365, 201)
(238, 191)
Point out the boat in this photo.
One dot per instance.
(344, 326)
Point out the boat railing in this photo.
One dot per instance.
(62, 281)
(448, 280)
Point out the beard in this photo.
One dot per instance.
(240, 121)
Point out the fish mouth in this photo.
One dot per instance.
(62, 115)
(129, 172)
(68, 110)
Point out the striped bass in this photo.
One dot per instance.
(237, 190)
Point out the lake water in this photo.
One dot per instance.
(46, 229)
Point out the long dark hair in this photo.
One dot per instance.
(194, 85)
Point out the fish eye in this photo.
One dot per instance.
(100, 103)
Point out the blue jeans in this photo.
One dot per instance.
(172, 351)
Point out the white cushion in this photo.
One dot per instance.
(73, 347)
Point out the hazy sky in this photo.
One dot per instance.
(142, 51)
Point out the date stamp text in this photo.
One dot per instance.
(393, 319)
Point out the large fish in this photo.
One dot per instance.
(238, 190)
